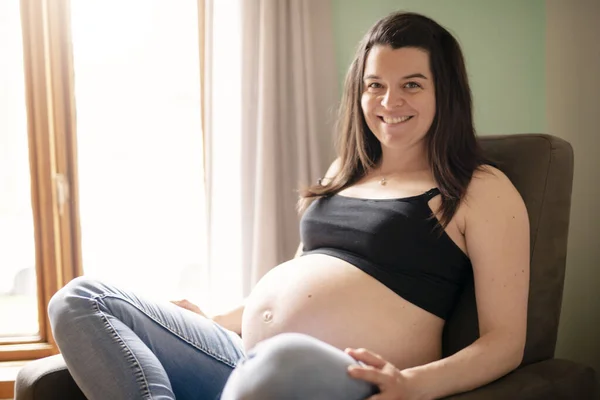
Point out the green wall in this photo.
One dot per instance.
(503, 43)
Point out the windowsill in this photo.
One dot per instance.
(8, 374)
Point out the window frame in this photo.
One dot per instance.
(50, 103)
(51, 128)
(52, 138)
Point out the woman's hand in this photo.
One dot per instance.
(189, 306)
(392, 383)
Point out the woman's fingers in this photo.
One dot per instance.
(368, 374)
(188, 305)
(373, 371)
(368, 357)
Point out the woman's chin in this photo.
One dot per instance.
(399, 141)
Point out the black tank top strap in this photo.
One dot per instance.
(431, 193)
(420, 265)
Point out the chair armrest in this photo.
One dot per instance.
(46, 379)
(550, 379)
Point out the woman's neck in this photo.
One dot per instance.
(405, 161)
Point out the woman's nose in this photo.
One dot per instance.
(392, 99)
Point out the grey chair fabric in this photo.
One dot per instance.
(541, 168)
(46, 379)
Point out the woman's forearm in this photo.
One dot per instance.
(487, 359)
(231, 320)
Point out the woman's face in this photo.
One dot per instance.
(398, 100)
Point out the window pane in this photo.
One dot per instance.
(18, 294)
(137, 89)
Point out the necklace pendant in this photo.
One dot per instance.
(383, 182)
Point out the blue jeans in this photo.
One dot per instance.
(119, 346)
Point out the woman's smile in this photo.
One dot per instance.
(395, 120)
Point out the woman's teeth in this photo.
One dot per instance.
(388, 120)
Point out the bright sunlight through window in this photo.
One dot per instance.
(140, 155)
(18, 299)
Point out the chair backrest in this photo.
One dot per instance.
(541, 168)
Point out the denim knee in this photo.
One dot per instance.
(71, 301)
(294, 366)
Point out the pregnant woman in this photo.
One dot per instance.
(405, 215)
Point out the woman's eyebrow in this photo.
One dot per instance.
(416, 75)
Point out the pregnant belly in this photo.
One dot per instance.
(329, 299)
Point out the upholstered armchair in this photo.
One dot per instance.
(541, 168)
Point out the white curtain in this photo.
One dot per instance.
(272, 91)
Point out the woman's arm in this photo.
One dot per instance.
(231, 320)
(497, 237)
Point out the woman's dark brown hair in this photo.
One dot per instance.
(452, 148)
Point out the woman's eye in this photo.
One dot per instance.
(412, 85)
(374, 85)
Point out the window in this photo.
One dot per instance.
(18, 294)
(39, 238)
(86, 190)
(139, 144)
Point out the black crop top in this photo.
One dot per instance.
(395, 241)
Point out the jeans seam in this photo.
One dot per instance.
(145, 387)
(171, 329)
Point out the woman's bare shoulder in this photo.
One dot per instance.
(488, 177)
(490, 190)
